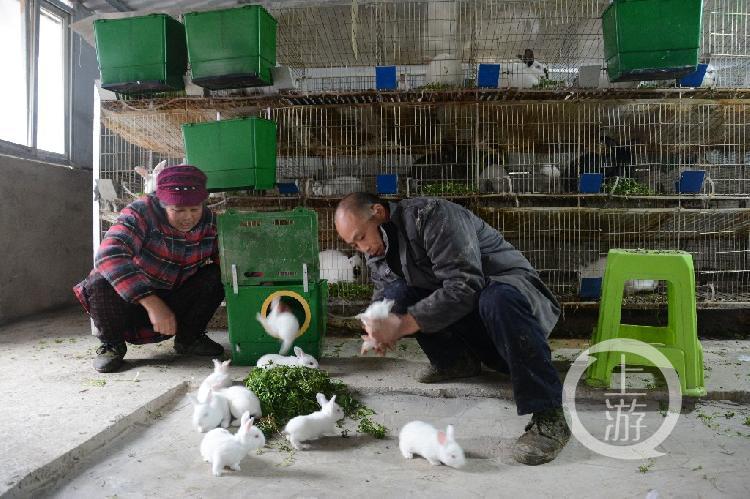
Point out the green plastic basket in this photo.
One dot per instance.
(141, 54)
(234, 154)
(231, 48)
(651, 39)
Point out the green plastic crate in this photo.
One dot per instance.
(234, 154)
(141, 54)
(268, 246)
(248, 339)
(231, 48)
(651, 39)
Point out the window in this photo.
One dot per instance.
(13, 119)
(51, 83)
(34, 81)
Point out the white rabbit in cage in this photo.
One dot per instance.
(150, 176)
(335, 266)
(445, 69)
(526, 72)
(494, 179)
(709, 79)
(338, 186)
(550, 178)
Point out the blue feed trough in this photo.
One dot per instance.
(488, 75)
(287, 188)
(591, 288)
(691, 182)
(695, 78)
(385, 78)
(590, 183)
(387, 184)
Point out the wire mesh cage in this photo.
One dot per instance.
(437, 44)
(491, 148)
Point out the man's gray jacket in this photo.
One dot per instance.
(445, 248)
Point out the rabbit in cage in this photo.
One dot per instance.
(445, 69)
(494, 179)
(150, 176)
(335, 266)
(337, 186)
(549, 178)
(609, 157)
(526, 72)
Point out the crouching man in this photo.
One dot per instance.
(468, 297)
(156, 273)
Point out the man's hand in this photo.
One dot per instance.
(161, 316)
(384, 331)
(387, 331)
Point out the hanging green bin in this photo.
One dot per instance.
(234, 154)
(268, 246)
(141, 54)
(231, 48)
(651, 39)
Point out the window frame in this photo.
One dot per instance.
(32, 13)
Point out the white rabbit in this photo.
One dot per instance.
(241, 400)
(337, 186)
(282, 325)
(709, 79)
(315, 425)
(299, 358)
(445, 69)
(550, 178)
(150, 176)
(494, 178)
(436, 446)
(218, 379)
(335, 266)
(211, 412)
(220, 448)
(376, 310)
(526, 72)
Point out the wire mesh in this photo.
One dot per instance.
(491, 147)
(335, 46)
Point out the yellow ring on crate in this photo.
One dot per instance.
(290, 294)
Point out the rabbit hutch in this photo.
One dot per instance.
(516, 109)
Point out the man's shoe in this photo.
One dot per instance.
(466, 367)
(109, 357)
(202, 345)
(546, 435)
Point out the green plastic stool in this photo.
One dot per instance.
(678, 341)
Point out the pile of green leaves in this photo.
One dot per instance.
(350, 290)
(447, 189)
(545, 83)
(285, 392)
(627, 187)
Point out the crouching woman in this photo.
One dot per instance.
(156, 272)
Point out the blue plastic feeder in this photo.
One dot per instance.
(385, 78)
(287, 188)
(591, 288)
(590, 183)
(691, 182)
(386, 184)
(695, 78)
(488, 75)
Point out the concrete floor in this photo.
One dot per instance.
(71, 432)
